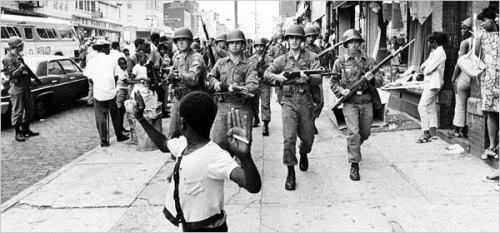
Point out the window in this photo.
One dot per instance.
(129, 5)
(12, 31)
(80, 5)
(65, 33)
(5, 34)
(92, 6)
(28, 32)
(45, 33)
(52, 33)
(53, 68)
(69, 67)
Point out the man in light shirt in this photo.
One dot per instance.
(100, 71)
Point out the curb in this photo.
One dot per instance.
(15, 199)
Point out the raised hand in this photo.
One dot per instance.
(239, 135)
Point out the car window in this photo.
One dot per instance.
(28, 32)
(5, 34)
(53, 68)
(69, 67)
(42, 33)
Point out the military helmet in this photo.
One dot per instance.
(260, 41)
(278, 35)
(467, 22)
(311, 31)
(295, 30)
(15, 41)
(183, 33)
(221, 37)
(235, 35)
(195, 46)
(351, 34)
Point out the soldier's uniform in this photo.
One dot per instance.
(316, 90)
(191, 77)
(295, 104)
(358, 109)
(226, 72)
(264, 86)
(277, 50)
(20, 91)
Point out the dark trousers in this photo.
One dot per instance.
(161, 91)
(222, 228)
(22, 108)
(101, 109)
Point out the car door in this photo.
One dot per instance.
(58, 81)
(77, 82)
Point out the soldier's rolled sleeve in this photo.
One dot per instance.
(270, 75)
(212, 76)
(252, 81)
(335, 80)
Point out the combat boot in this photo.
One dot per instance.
(27, 131)
(265, 131)
(290, 179)
(354, 174)
(304, 162)
(19, 136)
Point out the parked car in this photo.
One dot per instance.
(62, 82)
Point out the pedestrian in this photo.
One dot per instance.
(140, 73)
(123, 83)
(312, 33)
(461, 84)
(232, 77)
(487, 49)
(263, 61)
(139, 44)
(357, 109)
(433, 70)
(101, 71)
(126, 51)
(195, 198)
(16, 71)
(187, 74)
(115, 52)
(296, 101)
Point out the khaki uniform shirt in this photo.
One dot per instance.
(349, 70)
(192, 70)
(313, 48)
(268, 60)
(277, 50)
(19, 79)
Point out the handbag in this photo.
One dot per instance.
(471, 64)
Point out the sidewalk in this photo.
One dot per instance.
(404, 187)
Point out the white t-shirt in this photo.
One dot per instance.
(140, 71)
(115, 54)
(122, 76)
(101, 70)
(201, 180)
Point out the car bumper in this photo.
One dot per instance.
(5, 107)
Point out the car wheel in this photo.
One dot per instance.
(42, 108)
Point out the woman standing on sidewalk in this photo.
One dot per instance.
(433, 70)
(461, 83)
(487, 49)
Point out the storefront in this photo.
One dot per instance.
(86, 27)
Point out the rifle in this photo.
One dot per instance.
(237, 90)
(211, 56)
(30, 72)
(361, 81)
(293, 77)
(329, 49)
(262, 59)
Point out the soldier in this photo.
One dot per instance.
(312, 33)
(278, 49)
(230, 75)
(264, 85)
(358, 109)
(296, 101)
(20, 92)
(187, 74)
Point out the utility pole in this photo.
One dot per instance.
(255, 18)
(235, 14)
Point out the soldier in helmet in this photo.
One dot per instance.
(232, 77)
(278, 49)
(312, 33)
(188, 74)
(219, 49)
(263, 61)
(20, 92)
(296, 100)
(358, 109)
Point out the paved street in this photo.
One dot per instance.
(404, 187)
(63, 137)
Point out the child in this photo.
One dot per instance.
(140, 73)
(122, 85)
(196, 195)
